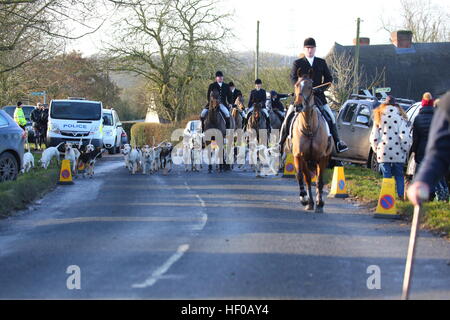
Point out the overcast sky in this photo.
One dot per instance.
(286, 23)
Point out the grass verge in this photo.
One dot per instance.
(365, 185)
(16, 195)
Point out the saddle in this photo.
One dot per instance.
(327, 126)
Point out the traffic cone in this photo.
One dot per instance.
(65, 176)
(386, 204)
(289, 168)
(338, 185)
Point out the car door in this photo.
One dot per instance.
(346, 129)
(117, 128)
(362, 125)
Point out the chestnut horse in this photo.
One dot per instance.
(311, 146)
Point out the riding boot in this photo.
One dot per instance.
(285, 129)
(269, 128)
(340, 145)
(227, 122)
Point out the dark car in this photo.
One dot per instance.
(27, 112)
(354, 124)
(12, 139)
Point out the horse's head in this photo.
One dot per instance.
(214, 100)
(304, 89)
(240, 102)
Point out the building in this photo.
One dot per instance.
(410, 68)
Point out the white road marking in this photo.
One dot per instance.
(159, 273)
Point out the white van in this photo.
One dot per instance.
(72, 120)
(112, 131)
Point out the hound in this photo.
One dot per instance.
(88, 157)
(187, 153)
(196, 147)
(71, 154)
(134, 160)
(148, 155)
(126, 153)
(28, 161)
(156, 159)
(48, 155)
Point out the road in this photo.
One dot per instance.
(207, 236)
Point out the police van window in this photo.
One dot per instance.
(74, 110)
(349, 112)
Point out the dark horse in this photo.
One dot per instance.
(311, 146)
(214, 129)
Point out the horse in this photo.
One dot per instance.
(255, 123)
(214, 120)
(311, 146)
(236, 114)
(275, 121)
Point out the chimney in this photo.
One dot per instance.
(402, 38)
(362, 41)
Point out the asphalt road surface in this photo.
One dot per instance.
(207, 236)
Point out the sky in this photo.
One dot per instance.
(284, 24)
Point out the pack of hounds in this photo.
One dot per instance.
(77, 154)
(148, 160)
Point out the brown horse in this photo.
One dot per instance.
(216, 125)
(311, 146)
(236, 114)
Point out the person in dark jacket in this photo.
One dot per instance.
(321, 75)
(421, 128)
(225, 97)
(258, 95)
(36, 118)
(235, 93)
(277, 105)
(436, 162)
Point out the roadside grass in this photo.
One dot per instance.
(364, 185)
(16, 195)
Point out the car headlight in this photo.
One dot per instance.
(54, 128)
(93, 131)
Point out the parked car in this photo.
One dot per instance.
(354, 123)
(12, 139)
(192, 126)
(112, 131)
(27, 112)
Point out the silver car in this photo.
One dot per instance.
(12, 139)
(354, 124)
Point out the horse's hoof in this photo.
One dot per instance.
(309, 207)
(304, 201)
(319, 210)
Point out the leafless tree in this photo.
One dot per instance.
(428, 21)
(170, 43)
(342, 66)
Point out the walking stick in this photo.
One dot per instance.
(412, 248)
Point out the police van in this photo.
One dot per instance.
(75, 120)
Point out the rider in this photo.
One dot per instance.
(225, 97)
(235, 93)
(277, 105)
(258, 95)
(321, 75)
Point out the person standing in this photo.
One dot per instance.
(436, 162)
(321, 76)
(36, 118)
(225, 98)
(390, 140)
(19, 116)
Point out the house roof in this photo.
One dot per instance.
(409, 72)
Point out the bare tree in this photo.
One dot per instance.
(342, 66)
(169, 43)
(32, 28)
(427, 21)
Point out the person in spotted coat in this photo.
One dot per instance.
(391, 140)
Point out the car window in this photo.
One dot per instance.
(3, 121)
(75, 110)
(363, 116)
(349, 112)
(108, 119)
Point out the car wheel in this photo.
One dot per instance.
(9, 168)
(374, 165)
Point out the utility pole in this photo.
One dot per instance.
(257, 51)
(356, 77)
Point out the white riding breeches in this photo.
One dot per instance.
(222, 108)
(327, 108)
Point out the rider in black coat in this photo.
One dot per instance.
(320, 75)
(258, 95)
(225, 98)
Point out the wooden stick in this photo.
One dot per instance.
(322, 85)
(411, 253)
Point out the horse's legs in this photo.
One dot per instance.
(320, 174)
(301, 184)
